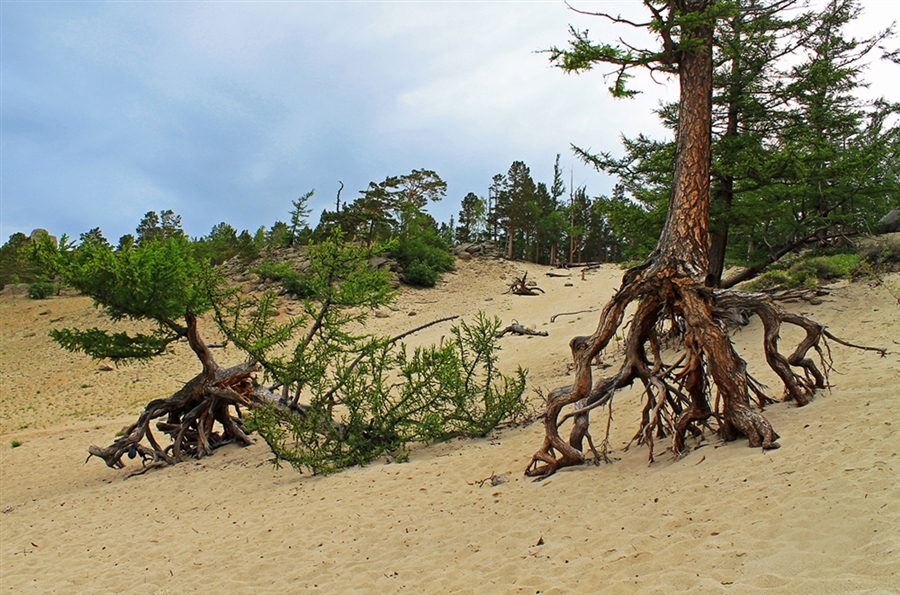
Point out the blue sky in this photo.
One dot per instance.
(226, 111)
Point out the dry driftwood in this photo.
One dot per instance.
(518, 329)
(555, 316)
(520, 287)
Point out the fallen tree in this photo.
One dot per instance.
(708, 382)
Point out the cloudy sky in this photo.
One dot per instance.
(226, 111)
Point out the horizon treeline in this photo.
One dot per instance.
(799, 159)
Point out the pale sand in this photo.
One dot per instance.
(820, 515)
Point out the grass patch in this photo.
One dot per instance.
(806, 270)
(15, 443)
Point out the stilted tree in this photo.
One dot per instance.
(162, 282)
(671, 286)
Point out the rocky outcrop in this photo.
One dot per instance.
(469, 249)
(890, 223)
(37, 233)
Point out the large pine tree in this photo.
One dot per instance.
(671, 287)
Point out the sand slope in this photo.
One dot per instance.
(820, 515)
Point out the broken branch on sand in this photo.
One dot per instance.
(518, 329)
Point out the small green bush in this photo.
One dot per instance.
(15, 443)
(41, 290)
(291, 281)
(275, 272)
(770, 279)
(420, 274)
(423, 259)
(836, 266)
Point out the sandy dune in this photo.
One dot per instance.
(820, 515)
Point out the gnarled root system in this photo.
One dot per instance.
(678, 394)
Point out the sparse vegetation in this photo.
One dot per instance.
(883, 254)
(344, 398)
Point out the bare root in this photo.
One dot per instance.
(520, 287)
(204, 415)
(678, 395)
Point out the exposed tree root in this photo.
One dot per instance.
(190, 418)
(213, 397)
(708, 382)
(678, 395)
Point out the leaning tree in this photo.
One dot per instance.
(671, 287)
(161, 282)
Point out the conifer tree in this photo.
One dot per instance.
(672, 285)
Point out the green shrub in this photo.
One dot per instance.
(423, 258)
(15, 443)
(290, 280)
(836, 266)
(770, 279)
(389, 398)
(41, 290)
(420, 274)
(274, 272)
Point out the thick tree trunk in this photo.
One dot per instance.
(724, 194)
(684, 241)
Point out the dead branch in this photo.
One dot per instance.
(555, 316)
(518, 329)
